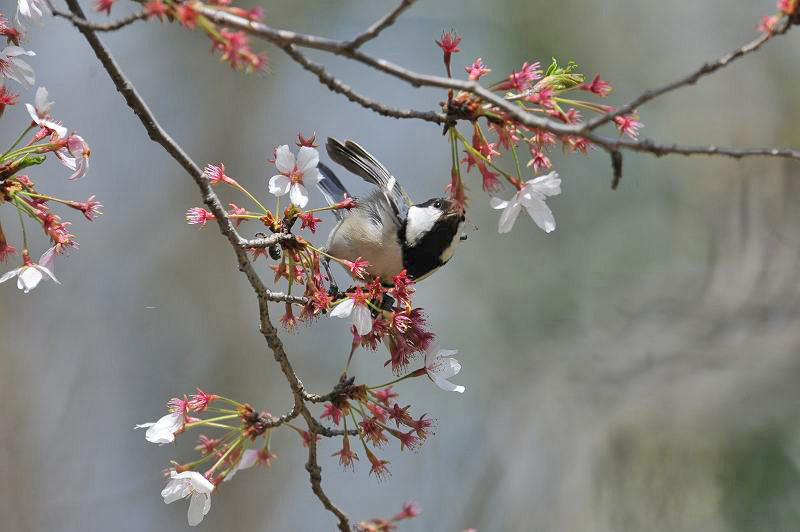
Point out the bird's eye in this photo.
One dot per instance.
(437, 204)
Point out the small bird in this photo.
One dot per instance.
(386, 228)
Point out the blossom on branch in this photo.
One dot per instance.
(30, 274)
(440, 366)
(190, 484)
(532, 196)
(293, 172)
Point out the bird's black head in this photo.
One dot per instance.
(429, 235)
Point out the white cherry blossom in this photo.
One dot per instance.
(12, 67)
(532, 196)
(190, 484)
(29, 275)
(293, 173)
(40, 113)
(355, 305)
(163, 431)
(440, 366)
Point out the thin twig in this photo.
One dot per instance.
(285, 38)
(108, 26)
(691, 79)
(337, 86)
(386, 21)
(157, 133)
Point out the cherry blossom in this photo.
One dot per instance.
(12, 67)
(30, 274)
(40, 113)
(190, 484)
(293, 172)
(355, 304)
(440, 366)
(31, 9)
(164, 430)
(532, 196)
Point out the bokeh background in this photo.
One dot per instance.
(636, 369)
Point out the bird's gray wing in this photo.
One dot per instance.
(332, 189)
(363, 164)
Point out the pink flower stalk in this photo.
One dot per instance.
(199, 401)
(309, 221)
(206, 445)
(422, 426)
(257, 252)
(216, 175)
(543, 139)
(539, 160)
(787, 7)
(90, 208)
(104, 5)
(449, 45)
(378, 468)
(598, 86)
(628, 124)
(186, 15)
(520, 80)
(477, 70)
(543, 97)
(233, 210)
(379, 413)
(385, 396)
(768, 24)
(332, 411)
(402, 289)
(400, 415)
(5, 249)
(357, 268)
(199, 216)
(156, 9)
(346, 203)
(289, 320)
(12, 35)
(346, 456)
(6, 98)
(490, 181)
(410, 510)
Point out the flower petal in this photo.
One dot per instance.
(509, 216)
(549, 185)
(196, 508)
(31, 111)
(362, 319)
(28, 279)
(446, 385)
(46, 272)
(163, 431)
(497, 203)
(541, 214)
(307, 158)
(8, 275)
(313, 175)
(299, 195)
(447, 367)
(47, 257)
(343, 309)
(279, 185)
(284, 159)
(175, 490)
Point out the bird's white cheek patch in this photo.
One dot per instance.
(420, 221)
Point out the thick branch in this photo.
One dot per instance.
(691, 79)
(157, 133)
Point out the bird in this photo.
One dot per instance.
(386, 228)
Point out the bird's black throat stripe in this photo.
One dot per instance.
(426, 255)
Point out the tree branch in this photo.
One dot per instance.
(109, 26)
(289, 40)
(386, 21)
(157, 134)
(691, 79)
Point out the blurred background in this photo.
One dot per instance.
(635, 370)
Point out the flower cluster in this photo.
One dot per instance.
(233, 47)
(41, 135)
(221, 456)
(786, 8)
(548, 92)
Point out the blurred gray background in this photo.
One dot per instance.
(635, 370)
